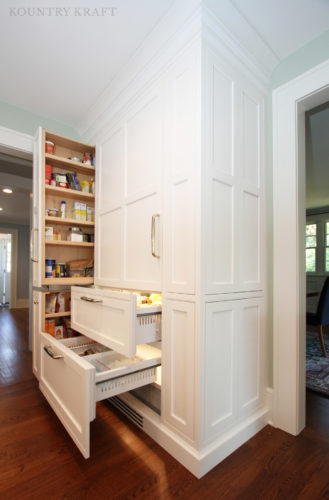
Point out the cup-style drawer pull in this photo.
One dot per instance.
(89, 299)
(50, 353)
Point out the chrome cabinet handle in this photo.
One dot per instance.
(89, 299)
(32, 245)
(153, 236)
(50, 353)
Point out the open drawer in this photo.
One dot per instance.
(75, 373)
(113, 318)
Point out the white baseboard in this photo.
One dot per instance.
(20, 303)
(200, 462)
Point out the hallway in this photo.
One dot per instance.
(38, 460)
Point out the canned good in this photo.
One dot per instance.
(60, 270)
(50, 263)
(50, 147)
(87, 158)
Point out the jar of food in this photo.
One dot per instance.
(50, 147)
(87, 158)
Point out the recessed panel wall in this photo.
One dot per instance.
(179, 359)
(219, 366)
(109, 253)
(234, 192)
(111, 177)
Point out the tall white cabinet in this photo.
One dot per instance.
(180, 211)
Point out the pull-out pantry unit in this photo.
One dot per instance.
(179, 212)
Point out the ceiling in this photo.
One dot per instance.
(16, 174)
(56, 66)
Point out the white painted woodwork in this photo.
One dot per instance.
(129, 179)
(234, 187)
(72, 385)
(36, 329)
(113, 318)
(289, 105)
(183, 164)
(234, 363)
(36, 236)
(178, 347)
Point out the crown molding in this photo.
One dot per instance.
(175, 31)
(218, 35)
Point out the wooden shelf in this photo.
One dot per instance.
(68, 281)
(70, 164)
(60, 140)
(58, 315)
(69, 222)
(64, 243)
(69, 193)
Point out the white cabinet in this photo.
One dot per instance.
(76, 373)
(178, 346)
(113, 318)
(36, 329)
(129, 197)
(37, 207)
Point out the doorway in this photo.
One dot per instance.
(290, 102)
(5, 269)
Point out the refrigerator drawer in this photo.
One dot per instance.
(113, 318)
(75, 373)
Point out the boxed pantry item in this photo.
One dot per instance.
(90, 214)
(75, 234)
(59, 332)
(50, 326)
(83, 211)
(76, 210)
(50, 303)
(63, 302)
(80, 268)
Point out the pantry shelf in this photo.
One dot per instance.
(69, 193)
(69, 222)
(64, 243)
(71, 165)
(58, 315)
(68, 281)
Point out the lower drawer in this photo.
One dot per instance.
(75, 373)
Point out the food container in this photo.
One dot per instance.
(58, 332)
(60, 270)
(87, 158)
(53, 212)
(75, 158)
(84, 186)
(63, 209)
(50, 147)
(48, 169)
(83, 211)
(90, 214)
(49, 263)
(75, 234)
(77, 273)
(49, 232)
(76, 210)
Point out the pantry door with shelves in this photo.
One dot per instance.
(36, 231)
(129, 197)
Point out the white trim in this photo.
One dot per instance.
(13, 274)
(290, 102)
(14, 142)
(22, 303)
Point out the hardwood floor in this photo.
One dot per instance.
(39, 461)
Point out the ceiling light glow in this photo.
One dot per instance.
(7, 190)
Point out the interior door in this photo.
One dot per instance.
(36, 254)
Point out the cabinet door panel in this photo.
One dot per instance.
(179, 360)
(36, 254)
(36, 329)
(109, 247)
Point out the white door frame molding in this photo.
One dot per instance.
(290, 102)
(16, 143)
(13, 274)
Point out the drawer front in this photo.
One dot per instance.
(105, 316)
(68, 383)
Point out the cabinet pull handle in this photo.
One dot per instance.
(89, 299)
(32, 245)
(50, 353)
(153, 236)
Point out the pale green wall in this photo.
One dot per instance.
(309, 56)
(24, 121)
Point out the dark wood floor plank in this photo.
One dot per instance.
(39, 461)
